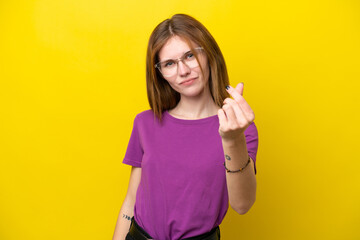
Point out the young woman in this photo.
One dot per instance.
(194, 151)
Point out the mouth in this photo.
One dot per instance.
(188, 81)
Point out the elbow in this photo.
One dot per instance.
(243, 208)
(241, 211)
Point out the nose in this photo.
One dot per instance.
(183, 69)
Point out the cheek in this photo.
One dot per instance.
(205, 67)
(206, 72)
(171, 83)
(169, 80)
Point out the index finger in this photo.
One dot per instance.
(235, 93)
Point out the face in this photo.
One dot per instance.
(175, 48)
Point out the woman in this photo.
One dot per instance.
(194, 151)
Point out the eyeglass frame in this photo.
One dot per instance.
(177, 60)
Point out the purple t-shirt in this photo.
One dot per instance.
(183, 191)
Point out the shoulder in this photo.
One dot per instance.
(145, 117)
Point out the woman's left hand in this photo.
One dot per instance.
(235, 115)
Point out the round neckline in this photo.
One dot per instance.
(190, 121)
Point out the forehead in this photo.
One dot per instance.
(175, 47)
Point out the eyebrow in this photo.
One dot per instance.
(168, 59)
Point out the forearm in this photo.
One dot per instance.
(123, 222)
(241, 185)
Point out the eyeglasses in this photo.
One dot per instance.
(169, 68)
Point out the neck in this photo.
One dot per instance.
(197, 107)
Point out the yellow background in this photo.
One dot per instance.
(73, 78)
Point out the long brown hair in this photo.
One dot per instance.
(161, 96)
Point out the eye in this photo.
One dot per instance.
(168, 64)
(189, 55)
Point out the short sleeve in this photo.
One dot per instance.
(134, 151)
(252, 140)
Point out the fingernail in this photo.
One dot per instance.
(227, 87)
(242, 83)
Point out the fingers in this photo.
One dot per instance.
(235, 115)
(230, 116)
(234, 111)
(236, 93)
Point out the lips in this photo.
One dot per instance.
(187, 80)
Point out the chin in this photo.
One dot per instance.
(192, 93)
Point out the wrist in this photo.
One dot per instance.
(239, 139)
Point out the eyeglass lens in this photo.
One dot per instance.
(170, 67)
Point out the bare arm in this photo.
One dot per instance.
(127, 208)
(241, 185)
(235, 116)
